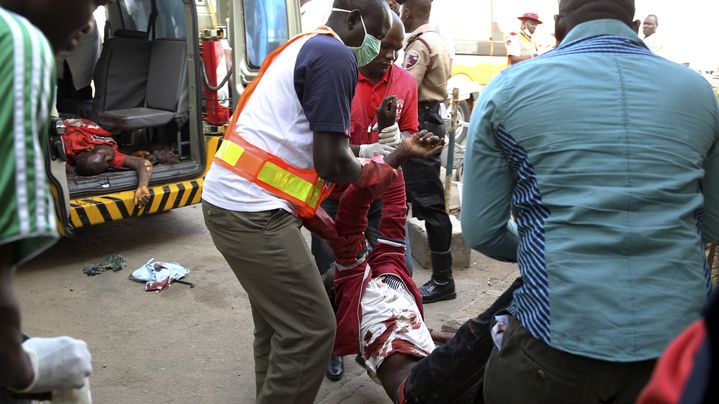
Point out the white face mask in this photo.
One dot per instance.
(370, 47)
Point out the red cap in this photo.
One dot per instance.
(530, 16)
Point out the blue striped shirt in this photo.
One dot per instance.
(604, 153)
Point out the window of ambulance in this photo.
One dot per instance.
(169, 21)
(266, 24)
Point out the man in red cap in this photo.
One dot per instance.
(520, 46)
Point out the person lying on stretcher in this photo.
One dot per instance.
(379, 309)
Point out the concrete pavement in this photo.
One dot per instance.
(184, 345)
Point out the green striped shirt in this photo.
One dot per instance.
(27, 85)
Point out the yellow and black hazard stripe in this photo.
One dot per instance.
(120, 205)
(212, 144)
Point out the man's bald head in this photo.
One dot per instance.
(375, 14)
(415, 13)
(391, 44)
(91, 163)
(574, 12)
(419, 6)
(397, 30)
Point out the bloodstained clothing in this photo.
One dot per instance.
(386, 259)
(82, 135)
(390, 323)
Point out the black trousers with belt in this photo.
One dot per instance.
(424, 188)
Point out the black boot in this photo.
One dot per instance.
(441, 286)
(336, 368)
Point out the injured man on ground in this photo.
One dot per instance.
(378, 307)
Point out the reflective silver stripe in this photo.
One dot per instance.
(18, 123)
(390, 243)
(39, 164)
(43, 118)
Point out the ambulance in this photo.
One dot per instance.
(167, 74)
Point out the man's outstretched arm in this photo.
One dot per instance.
(422, 145)
(143, 168)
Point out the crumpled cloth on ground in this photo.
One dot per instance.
(114, 263)
(166, 156)
(158, 275)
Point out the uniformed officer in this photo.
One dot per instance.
(427, 58)
(520, 46)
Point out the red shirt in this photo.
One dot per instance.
(83, 134)
(396, 81)
(368, 96)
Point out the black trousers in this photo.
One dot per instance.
(454, 372)
(424, 188)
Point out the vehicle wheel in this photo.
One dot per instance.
(463, 114)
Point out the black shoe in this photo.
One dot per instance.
(433, 291)
(336, 368)
(360, 360)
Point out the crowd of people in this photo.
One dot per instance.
(602, 153)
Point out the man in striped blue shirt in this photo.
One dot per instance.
(605, 155)
(27, 215)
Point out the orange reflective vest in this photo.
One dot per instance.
(302, 187)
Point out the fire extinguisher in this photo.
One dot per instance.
(215, 74)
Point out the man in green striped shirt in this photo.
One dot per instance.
(27, 215)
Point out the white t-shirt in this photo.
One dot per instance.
(309, 87)
(655, 44)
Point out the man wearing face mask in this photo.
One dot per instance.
(427, 58)
(520, 46)
(27, 225)
(288, 139)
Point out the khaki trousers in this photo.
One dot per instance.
(526, 370)
(294, 321)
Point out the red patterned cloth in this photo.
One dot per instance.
(83, 134)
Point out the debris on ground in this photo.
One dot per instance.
(159, 275)
(112, 263)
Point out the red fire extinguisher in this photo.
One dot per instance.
(215, 75)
